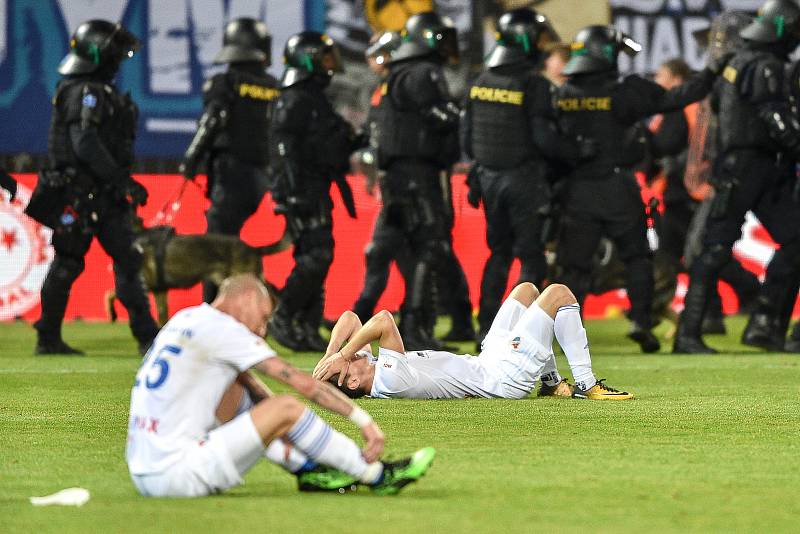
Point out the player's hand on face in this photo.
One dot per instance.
(374, 441)
(330, 366)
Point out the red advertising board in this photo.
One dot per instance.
(24, 254)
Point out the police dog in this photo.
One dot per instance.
(175, 261)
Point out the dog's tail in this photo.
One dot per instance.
(278, 246)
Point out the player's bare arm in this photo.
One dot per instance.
(329, 398)
(381, 328)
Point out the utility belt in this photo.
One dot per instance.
(64, 198)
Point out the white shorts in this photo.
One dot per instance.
(208, 466)
(518, 344)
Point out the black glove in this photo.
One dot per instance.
(187, 170)
(138, 193)
(474, 193)
(716, 65)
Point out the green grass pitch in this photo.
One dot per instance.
(709, 445)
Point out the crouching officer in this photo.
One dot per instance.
(232, 132)
(508, 126)
(88, 190)
(602, 196)
(310, 147)
(759, 144)
(418, 141)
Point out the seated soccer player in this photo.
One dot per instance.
(187, 437)
(515, 353)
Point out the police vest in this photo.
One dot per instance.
(587, 111)
(248, 98)
(739, 124)
(114, 115)
(402, 129)
(501, 135)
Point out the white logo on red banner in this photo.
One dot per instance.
(25, 256)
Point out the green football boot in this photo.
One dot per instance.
(397, 475)
(323, 478)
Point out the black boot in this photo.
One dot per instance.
(415, 335)
(311, 339)
(282, 330)
(762, 332)
(688, 339)
(53, 347)
(644, 337)
(793, 343)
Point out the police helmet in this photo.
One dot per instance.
(98, 45)
(381, 50)
(596, 48)
(521, 35)
(309, 54)
(245, 39)
(778, 21)
(428, 34)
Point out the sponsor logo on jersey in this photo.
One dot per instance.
(515, 343)
(258, 92)
(492, 94)
(387, 365)
(586, 103)
(25, 256)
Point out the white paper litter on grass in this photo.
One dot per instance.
(66, 497)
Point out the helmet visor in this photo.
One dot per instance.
(330, 59)
(445, 42)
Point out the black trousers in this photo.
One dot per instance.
(303, 295)
(114, 231)
(762, 185)
(388, 244)
(514, 201)
(236, 191)
(608, 206)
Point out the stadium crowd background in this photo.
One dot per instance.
(180, 39)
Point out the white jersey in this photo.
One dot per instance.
(193, 361)
(430, 374)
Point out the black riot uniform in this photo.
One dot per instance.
(418, 141)
(602, 196)
(310, 147)
(232, 133)
(87, 190)
(759, 143)
(388, 242)
(669, 145)
(507, 128)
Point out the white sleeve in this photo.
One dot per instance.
(241, 348)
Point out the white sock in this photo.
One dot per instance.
(550, 374)
(571, 335)
(288, 457)
(321, 443)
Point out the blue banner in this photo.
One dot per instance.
(180, 39)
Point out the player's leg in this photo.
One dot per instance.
(287, 418)
(522, 296)
(310, 475)
(562, 317)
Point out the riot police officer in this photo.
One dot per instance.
(233, 130)
(88, 190)
(418, 141)
(310, 147)
(507, 120)
(759, 143)
(602, 196)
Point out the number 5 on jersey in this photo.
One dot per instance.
(154, 371)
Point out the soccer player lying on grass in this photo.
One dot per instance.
(198, 421)
(515, 353)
